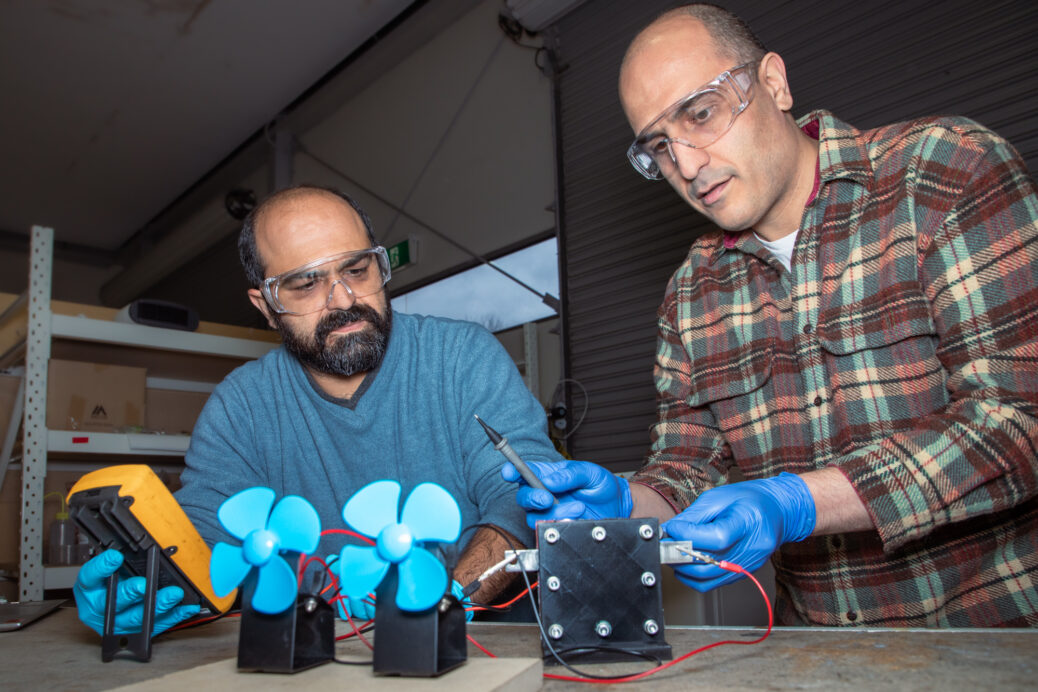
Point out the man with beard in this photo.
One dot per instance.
(354, 395)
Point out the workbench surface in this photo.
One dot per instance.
(59, 653)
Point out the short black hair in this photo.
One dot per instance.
(247, 250)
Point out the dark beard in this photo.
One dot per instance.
(346, 354)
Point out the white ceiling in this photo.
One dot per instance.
(111, 109)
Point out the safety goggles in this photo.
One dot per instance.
(697, 120)
(309, 288)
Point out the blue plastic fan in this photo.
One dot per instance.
(429, 514)
(293, 525)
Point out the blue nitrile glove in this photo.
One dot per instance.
(584, 491)
(90, 591)
(458, 591)
(742, 523)
(357, 608)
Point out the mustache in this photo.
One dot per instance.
(341, 318)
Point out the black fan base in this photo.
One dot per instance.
(423, 644)
(296, 639)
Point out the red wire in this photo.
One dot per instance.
(479, 646)
(723, 565)
(505, 604)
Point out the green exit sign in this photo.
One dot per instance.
(402, 254)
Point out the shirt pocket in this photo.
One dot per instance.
(895, 314)
(721, 376)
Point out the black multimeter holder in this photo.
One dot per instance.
(106, 519)
(600, 593)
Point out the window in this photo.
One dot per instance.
(487, 297)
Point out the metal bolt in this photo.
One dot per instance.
(551, 535)
(555, 631)
(603, 628)
(651, 627)
(554, 583)
(310, 605)
(598, 533)
(645, 531)
(648, 579)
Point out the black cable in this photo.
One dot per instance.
(353, 663)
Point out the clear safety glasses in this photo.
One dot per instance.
(309, 288)
(697, 120)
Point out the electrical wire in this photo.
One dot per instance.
(583, 413)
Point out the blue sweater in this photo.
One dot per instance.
(410, 421)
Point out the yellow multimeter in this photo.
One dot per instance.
(128, 508)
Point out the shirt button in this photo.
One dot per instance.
(852, 616)
(818, 401)
(808, 328)
(836, 542)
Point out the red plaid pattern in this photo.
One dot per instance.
(902, 348)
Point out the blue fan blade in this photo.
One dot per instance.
(432, 514)
(227, 568)
(276, 589)
(373, 507)
(244, 512)
(296, 524)
(423, 581)
(360, 570)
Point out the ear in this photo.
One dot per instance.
(771, 75)
(261, 304)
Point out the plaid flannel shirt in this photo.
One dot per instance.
(902, 349)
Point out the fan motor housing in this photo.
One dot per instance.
(295, 639)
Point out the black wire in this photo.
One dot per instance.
(544, 635)
(579, 650)
(353, 663)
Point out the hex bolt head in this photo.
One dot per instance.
(553, 583)
(648, 579)
(603, 628)
(651, 627)
(551, 535)
(645, 531)
(555, 631)
(598, 533)
(310, 605)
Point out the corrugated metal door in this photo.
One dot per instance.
(869, 62)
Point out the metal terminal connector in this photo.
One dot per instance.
(598, 533)
(651, 627)
(528, 561)
(551, 535)
(603, 628)
(645, 531)
(676, 553)
(555, 631)
(554, 584)
(648, 579)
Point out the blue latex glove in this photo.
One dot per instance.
(584, 491)
(742, 523)
(357, 608)
(458, 591)
(90, 591)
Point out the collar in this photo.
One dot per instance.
(842, 154)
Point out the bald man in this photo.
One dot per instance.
(857, 338)
(355, 394)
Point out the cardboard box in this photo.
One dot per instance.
(99, 398)
(171, 411)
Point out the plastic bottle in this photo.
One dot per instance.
(62, 547)
(62, 539)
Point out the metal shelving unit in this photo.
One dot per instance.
(38, 441)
